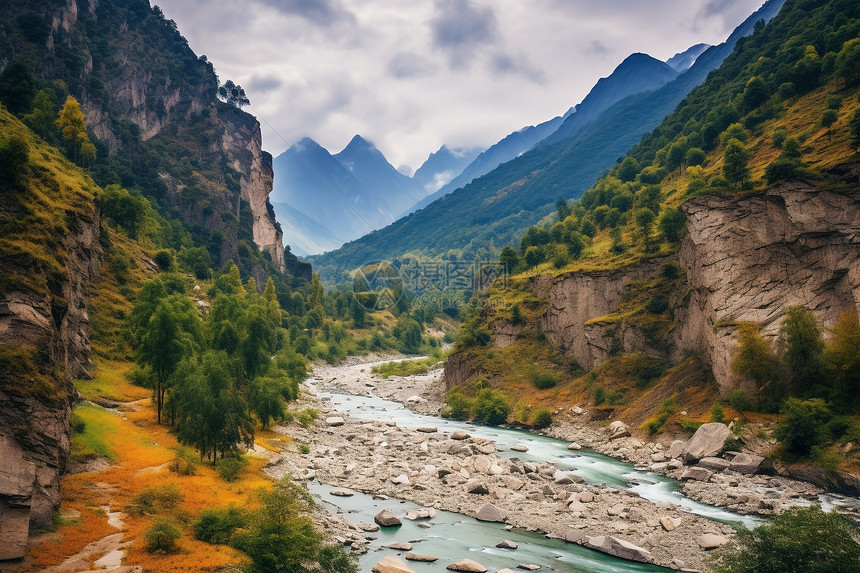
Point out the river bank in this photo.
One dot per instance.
(433, 468)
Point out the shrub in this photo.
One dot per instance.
(154, 500)
(218, 525)
(667, 408)
(717, 413)
(230, 467)
(599, 396)
(184, 462)
(306, 417)
(542, 418)
(161, 536)
(801, 425)
(617, 398)
(800, 539)
(490, 407)
(459, 406)
(740, 401)
(544, 380)
(164, 260)
(304, 449)
(78, 426)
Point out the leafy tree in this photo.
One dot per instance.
(735, 169)
(755, 93)
(74, 130)
(671, 224)
(799, 539)
(828, 118)
(695, 156)
(408, 333)
(195, 260)
(123, 209)
(628, 169)
(676, 154)
(841, 359)
(42, 119)
(848, 62)
(807, 70)
(171, 334)
(14, 162)
(533, 256)
(233, 94)
(802, 344)
(17, 87)
(801, 425)
(562, 208)
(756, 359)
(510, 258)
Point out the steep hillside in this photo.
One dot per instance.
(151, 104)
(443, 165)
(496, 206)
(738, 211)
(50, 256)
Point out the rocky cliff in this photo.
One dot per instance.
(44, 342)
(744, 259)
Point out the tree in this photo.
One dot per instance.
(14, 162)
(695, 156)
(17, 87)
(408, 332)
(801, 343)
(755, 93)
(807, 70)
(123, 209)
(562, 208)
(800, 539)
(735, 168)
(42, 120)
(233, 94)
(676, 154)
(171, 334)
(756, 359)
(848, 62)
(801, 425)
(841, 359)
(628, 169)
(510, 258)
(671, 224)
(74, 129)
(490, 407)
(828, 118)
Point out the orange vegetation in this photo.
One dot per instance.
(144, 450)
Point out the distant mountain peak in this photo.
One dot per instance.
(358, 142)
(683, 60)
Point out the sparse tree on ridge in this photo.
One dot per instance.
(233, 94)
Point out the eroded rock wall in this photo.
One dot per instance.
(750, 258)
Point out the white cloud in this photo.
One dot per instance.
(412, 75)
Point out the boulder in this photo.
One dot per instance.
(618, 429)
(519, 448)
(574, 446)
(401, 479)
(715, 464)
(486, 448)
(670, 524)
(391, 565)
(746, 463)
(506, 544)
(482, 464)
(426, 429)
(675, 449)
(341, 493)
(458, 435)
(706, 442)
(466, 565)
(585, 497)
(710, 541)
(334, 421)
(696, 473)
(478, 489)
(424, 558)
(618, 548)
(386, 518)
(490, 512)
(616, 509)
(528, 566)
(400, 546)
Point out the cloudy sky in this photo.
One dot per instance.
(410, 75)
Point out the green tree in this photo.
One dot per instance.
(695, 156)
(42, 119)
(848, 62)
(74, 130)
(123, 209)
(408, 332)
(807, 70)
(17, 87)
(510, 258)
(801, 425)
(233, 94)
(735, 168)
(801, 344)
(799, 539)
(490, 407)
(628, 169)
(171, 334)
(841, 359)
(755, 93)
(756, 359)
(671, 224)
(14, 162)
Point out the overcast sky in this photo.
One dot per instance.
(410, 75)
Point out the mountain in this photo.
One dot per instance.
(499, 205)
(636, 74)
(337, 198)
(508, 148)
(684, 60)
(443, 165)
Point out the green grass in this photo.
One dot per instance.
(406, 367)
(97, 424)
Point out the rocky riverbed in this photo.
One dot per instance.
(466, 474)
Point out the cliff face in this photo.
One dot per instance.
(749, 259)
(140, 85)
(744, 259)
(52, 323)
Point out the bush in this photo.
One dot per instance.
(155, 500)
(161, 536)
(800, 539)
(599, 396)
(801, 425)
(490, 407)
(544, 380)
(231, 467)
(542, 418)
(218, 525)
(164, 260)
(459, 406)
(717, 413)
(184, 462)
(740, 401)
